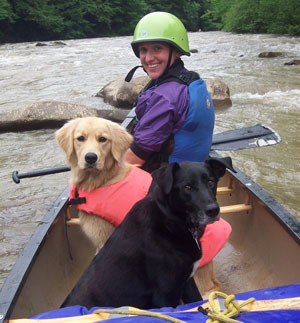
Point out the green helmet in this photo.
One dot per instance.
(162, 27)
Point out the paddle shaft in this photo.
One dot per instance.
(17, 177)
(230, 136)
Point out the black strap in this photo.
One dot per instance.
(131, 72)
(77, 199)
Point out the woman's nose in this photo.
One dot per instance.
(149, 56)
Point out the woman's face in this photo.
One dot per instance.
(154, 57)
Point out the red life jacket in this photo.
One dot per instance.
(113, 202)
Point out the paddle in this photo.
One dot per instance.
(243, 138)
(237, 139)
(17, 177)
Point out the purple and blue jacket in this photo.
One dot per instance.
(174, 110)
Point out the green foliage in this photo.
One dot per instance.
(6, 13)
(7, 18)
(243, 17)
(126, 14)
(254, 16)
(25, 20)
(187, 11)
(281, 17)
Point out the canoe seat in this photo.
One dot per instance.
(235, 208)
(224, 190)
(73, 221)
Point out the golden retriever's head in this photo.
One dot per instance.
(93, 144)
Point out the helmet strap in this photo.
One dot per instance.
(169, 60)
(129, 76)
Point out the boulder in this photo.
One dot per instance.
(122, 94)
(52, 114)
(293, 62)
(55, 43)
(270, 54)
(219, 92)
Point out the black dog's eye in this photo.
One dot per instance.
(102, 139)
(211, 183)
(81, 138)
(187, 187)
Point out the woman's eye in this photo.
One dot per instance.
(102, 139)
(187, 187)
(81, 138)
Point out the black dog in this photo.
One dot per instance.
(149, 260)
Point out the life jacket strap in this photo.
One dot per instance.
(76, 200)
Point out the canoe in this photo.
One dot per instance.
(263, 250)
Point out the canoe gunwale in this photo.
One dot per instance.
(17, 277)
(284, 217)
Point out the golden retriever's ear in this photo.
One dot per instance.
(64, 137)
(121, 141)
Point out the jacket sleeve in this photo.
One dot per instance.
(161, 112)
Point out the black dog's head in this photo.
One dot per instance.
(189, 189)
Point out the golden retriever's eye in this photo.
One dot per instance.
(102, 139)
(80, 138)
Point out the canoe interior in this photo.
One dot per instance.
(262, 252)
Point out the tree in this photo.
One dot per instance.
(35, 17)
(243, 17)
(126, 15)
(7, 18)
(281, 16)
(187, 11)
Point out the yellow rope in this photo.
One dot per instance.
(233, 309)
(139, 312)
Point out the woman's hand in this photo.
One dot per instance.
(133, 159)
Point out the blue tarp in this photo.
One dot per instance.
(275, 316)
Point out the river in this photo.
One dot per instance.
(262, 91)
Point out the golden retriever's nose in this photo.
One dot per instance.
(90, 158)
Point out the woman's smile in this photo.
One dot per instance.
(154, 57)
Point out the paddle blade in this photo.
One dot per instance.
(244, 138)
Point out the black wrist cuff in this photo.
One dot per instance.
(141, 153)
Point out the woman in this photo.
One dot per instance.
(174, 116)
(175, 113)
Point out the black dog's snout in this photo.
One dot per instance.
(91, 158)
(212, 210)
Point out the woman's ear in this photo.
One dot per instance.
(178, 53)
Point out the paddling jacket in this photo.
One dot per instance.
(174, 119)
(113, 202)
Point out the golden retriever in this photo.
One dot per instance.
(95, 149)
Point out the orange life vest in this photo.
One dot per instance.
(113, 202)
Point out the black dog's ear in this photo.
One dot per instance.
(219, 165)
(164, 176)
